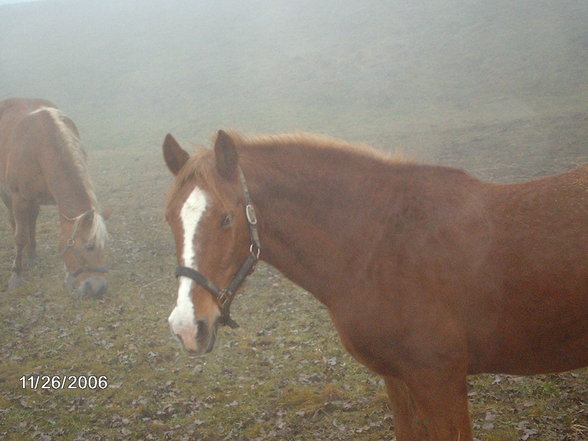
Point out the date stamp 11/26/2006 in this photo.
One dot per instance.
(54, 382)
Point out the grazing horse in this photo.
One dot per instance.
(429, 274)
(42, 162)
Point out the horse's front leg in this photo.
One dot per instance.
(407, 425)
(440, 398)
(31, 249)
(21, 211)
(5, 196)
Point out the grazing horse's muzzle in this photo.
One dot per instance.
(93, 286)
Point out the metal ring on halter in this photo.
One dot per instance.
(257, 250)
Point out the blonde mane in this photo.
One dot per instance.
(98, 231)
(72, 148)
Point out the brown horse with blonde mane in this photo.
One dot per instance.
(42, 162)
(429, 274)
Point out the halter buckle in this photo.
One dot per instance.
(223, 297)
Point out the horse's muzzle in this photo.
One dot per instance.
(199, 342)
(93, 287)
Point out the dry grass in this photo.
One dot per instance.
(282, 376)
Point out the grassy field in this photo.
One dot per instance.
(283, 375)
(497, 88)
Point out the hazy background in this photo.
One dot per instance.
(397, 74)
(497, 87)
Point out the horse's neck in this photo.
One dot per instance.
(68, 185)
(314, 229)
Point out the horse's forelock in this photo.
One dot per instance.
(199, 167)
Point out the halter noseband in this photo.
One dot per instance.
(70, 246)
(224, 297)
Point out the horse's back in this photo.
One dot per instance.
(12, 112)
(20, 133)
(554, 208)
(539, 260)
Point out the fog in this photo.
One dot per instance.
(497, 88)
(130, 70)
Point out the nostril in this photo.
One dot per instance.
(202, 332)
(187, 338)
(201, 325)
(102, 288)
(94, 287)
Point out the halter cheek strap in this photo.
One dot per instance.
(225, 297)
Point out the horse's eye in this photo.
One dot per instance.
(90, 247)
(227, 219)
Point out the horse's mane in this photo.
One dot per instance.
(201, 162)
(251, 148)
(312, 142)
(98, 231)
(71, 148)
(197, 164)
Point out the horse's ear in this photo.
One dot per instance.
(175, 156)
(225, 154)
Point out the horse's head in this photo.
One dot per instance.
(82, 240)
(206, 211)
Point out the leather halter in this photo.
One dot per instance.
(224, 297)
(70, 246)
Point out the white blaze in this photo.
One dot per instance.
(183, 314)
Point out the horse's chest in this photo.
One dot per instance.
(369, 342)
(389, 342)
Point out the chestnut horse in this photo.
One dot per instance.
(42, 162)
(429, 274)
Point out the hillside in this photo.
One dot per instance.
(129, 71)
